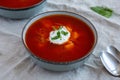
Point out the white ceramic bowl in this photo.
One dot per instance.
(59, 66)
(22, 13)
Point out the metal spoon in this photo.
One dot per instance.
(114, 52)
(110, 63)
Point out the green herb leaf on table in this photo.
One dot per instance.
(104, 11)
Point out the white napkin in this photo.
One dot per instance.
(16, 64)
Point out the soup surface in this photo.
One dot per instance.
(18, 3)
(78, 45)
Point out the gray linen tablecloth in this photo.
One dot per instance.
(16, 64)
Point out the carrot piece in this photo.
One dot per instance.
(69, 45)
(69, 29)
(75, 35)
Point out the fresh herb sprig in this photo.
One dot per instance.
(64, 33)
(58, 36)
(104, 11)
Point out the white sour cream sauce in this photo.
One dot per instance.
(63, 39)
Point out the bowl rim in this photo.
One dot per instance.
(24, 8)
(67, 62)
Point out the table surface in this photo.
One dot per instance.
(16, 64)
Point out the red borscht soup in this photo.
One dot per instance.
(18, 3)
(80, 41)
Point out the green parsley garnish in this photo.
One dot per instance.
(54, 38)
(58, 36)
(64, 33)
(104, 11)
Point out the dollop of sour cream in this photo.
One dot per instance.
(59, 36)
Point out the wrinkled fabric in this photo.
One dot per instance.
(16, 63)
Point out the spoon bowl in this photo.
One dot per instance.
(110, 63)
(114, 52)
